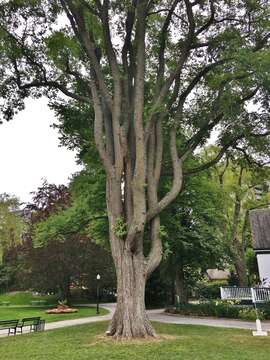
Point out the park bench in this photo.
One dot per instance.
(31, 322)
(10, 325)
(5, 303)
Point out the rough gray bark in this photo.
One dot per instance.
(130, 318)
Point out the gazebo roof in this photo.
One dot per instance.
(260, 226)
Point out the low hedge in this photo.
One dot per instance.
(219, 309)
(210, 290)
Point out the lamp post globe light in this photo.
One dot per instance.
(98, 284)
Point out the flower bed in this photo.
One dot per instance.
(61, 309)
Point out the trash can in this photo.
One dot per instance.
(40, 326)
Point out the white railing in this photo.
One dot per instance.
(260, 295)
(257, 295)
(235, 293)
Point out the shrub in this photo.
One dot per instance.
(226, 310)
(251, 314)
(266, 309)
(217, 309)
(210, 290)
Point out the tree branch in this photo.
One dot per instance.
(212, 162)
(55, 85)
(76, 19)
(210, 21)
(177, 180)
(162, 45)
(98, 131)
(138, 186)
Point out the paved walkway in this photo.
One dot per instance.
(160, 316)
(81, 321)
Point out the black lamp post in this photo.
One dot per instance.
(98, 280)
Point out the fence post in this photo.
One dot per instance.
(259, 331)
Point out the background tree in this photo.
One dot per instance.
(11, 224)
(60, 252)
(194, 238)
(240, 180)
(153, 73)
(71, 263)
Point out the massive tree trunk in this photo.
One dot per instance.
(132, 270)
(130, 318)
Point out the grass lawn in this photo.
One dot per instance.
(183, 342)
(9, 313)
(25, 298)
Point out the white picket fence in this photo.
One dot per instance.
(256, 295)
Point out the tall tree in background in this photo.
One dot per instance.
(240, 180)
(12, 228)
(59, 251)
(47, 267)
(152, 73)
(193, 227)
(11, 224)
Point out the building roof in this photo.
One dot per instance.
(216, 274)
(260, 226)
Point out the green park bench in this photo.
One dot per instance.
(15, 326)
(10, 325)
(32, 323)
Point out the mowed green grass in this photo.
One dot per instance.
(180, 342)
(10, 313)
(25, 298)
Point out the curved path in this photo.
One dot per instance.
(160, 316)
(84, 320)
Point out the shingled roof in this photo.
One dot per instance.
(260, 226)
(216, 274)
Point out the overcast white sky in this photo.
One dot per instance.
(29, 152)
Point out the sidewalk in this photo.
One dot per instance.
(81, 321)
(159, 316)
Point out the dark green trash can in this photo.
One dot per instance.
(40, 326)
